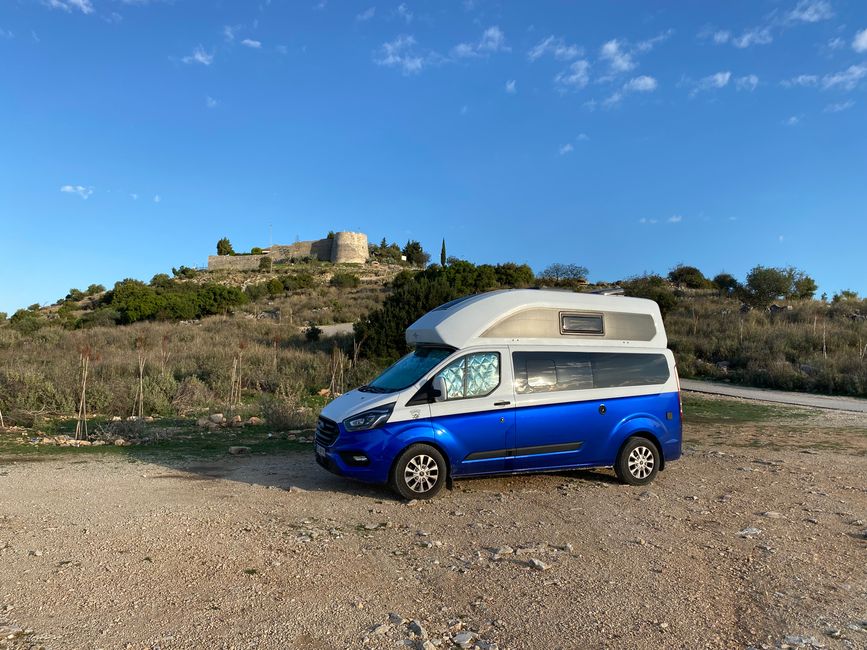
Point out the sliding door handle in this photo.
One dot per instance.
(501, 403)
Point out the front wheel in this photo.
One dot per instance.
(638, 462)
(419, 473)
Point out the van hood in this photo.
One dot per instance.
(354, 402)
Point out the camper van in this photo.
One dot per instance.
(513, 381)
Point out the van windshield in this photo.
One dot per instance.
(407, 371)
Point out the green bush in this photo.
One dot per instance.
(274, 287)
(652, 287)
(256, 251)
(265, 263)
(224, 247)
(313, 333)
(26, 321)
(3, 316)
(688, 276)
(298, 281)
(74, 295)
(94, 289)
(344, 281)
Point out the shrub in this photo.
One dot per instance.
(298, 281)
(26, 321)
(687, 276)
(415, 254)
(161, 281)
(344, 280)
(764, 285)
(266, 263)
(274, 287)
(256, 251)
(559, 272)
(256, 291)
(283, 413)
(224, 247)
(104, 317)
(94, 289)
(653, 287)
(3, 316)
(74, 295)
(312, 333)
(184, 272)
(726, 284)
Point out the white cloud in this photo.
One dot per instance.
(134, 196)
(646, 220)
(281, 49)
(748, 82)
(199, 55)
(859, 43)
(401, 53)
(780, 239)
(511, 86)
(367, 14)
(575, 77)
(249, 42)
(582, 137)
(83, 192)
(675, 218)
(721, 36)
(556, 47)
(566, 148)
(839, 107)
(5, 33)
(811, 11)
(836, 43)
(464, 109)
(650, 43)
(210, 102)
(793, 120)
(642, 84)
(753, 36)
(493, 40)
(619, 60)
(712, 82)
(157, 198)
(404, 13)
(803, 80)
(84, 6)
(847, 79)
(229, 32)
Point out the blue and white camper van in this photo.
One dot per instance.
(513, 381)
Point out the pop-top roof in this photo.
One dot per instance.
(540, 316)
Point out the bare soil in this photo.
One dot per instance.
(271, 551)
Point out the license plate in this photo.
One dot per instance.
(319, 450)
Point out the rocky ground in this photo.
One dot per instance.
(756, 538)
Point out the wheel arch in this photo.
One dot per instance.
(647, 435)
(429, 443)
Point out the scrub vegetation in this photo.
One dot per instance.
(258, 343)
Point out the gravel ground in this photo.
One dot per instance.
(757, 537)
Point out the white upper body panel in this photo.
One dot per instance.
(536, 316)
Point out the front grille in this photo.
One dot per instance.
(326, 432)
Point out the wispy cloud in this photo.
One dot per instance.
(404, 13)
(748, 82)
(511, 86)
(199, 55)
(811, 11)
(401, 53)
(792, 120)
(642, 84)
(5, 33)
(753, 36)
(675, 218)
(210, 102)
(712, 82)
(81, 190)
(859, 43)
(802, 80)
(493, 40)
(847, 79)
(157, 198)
(566, 148)
(620, 55)
(84, 6)
(229, 32)
(249, 42)
(575, 77)
(366, 15)
(556, 47)
(839, 107)
(133, 196)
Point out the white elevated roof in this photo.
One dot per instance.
(540, 316)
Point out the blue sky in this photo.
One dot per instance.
(627, 136)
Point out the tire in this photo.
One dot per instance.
(419, 473)
(638, 462)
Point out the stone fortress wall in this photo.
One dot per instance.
(343, 248)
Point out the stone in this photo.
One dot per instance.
(770, 514)
(237, 421)
(647, 494)
(380, 629)
(537, 564)
(116, 418)
(36, 553)
(396, 619)
(98, 443)
(416, 628)
(254, 421)
(202, 422)
(749, 533)
(217, 418)
(464, 639)
(119, 442)
(239, 450)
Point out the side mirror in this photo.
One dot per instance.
(439, 391)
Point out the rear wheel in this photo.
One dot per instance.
(419, 473)
(638, 462)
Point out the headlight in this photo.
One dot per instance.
(368, 419)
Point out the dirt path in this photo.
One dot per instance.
(119, 553)
(776, 396)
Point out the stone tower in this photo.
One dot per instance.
(349, 247)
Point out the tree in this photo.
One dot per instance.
(3, 316)
(725, 283)
(653, 287)
(804, 287)
(256, 251)
(687, 276)
(94, 289)
(161, 280)
(559, 272)
(75, 295)
(845, 295)
(415, 254)
(443, 257)
(224, 247)
(274, 287)
(135, 301)
(765, 284)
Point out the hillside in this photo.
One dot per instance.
(259, 355)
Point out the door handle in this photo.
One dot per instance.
(501, 403)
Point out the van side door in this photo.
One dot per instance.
(475, 420)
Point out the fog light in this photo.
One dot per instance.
(360, 458)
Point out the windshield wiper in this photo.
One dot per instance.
(367, 388)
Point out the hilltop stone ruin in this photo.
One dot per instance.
(343, 248)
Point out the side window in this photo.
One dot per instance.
(474, 375)
(542, 372)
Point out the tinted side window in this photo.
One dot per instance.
(474, 375)
(539, 372)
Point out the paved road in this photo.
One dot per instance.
(779, 396)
